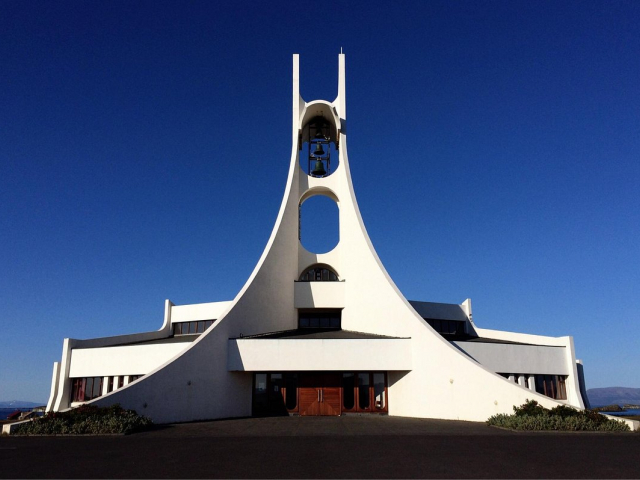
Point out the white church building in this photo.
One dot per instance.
(318, 333)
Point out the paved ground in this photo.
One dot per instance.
(325, 447)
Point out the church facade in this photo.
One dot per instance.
(318, 333)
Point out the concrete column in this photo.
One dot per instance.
(105, 385)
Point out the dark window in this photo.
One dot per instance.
(348, 391)
(85, 389)
(97, 387)
(379, 391)
(319, 319)
(260, 393)
(77, 390)
(319, 274)
(553, 386)
(89, 388)
(447, 327)
(291, 384)
(363, 391)
(191, 328)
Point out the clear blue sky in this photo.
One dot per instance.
(144, 147)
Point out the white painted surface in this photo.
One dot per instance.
(198, 311)
(506, 358)
(133, 359)
(55, 382)
(319, 354)
(319, 294)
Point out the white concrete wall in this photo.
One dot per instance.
(508, 358)
(125, 360)
(319, 354)
(319, 294)
(198, 311)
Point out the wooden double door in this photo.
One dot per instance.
(320, 394)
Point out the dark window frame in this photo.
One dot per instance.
(447, 327)
(321, 318)
(194, 327)
(319, 273)
(552, 386)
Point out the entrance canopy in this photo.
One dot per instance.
(308, 350)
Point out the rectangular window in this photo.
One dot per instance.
(192, 328)
(97, 387)
(562, 388)
(363, 392)
(85, 389)
(348, 391)
(319, 318)
(260, 394)
(447, 327)
(291, 394)
(379, 391)
(553, 386)
(78, 387)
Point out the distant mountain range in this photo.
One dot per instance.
(600, 397)
(19, 404)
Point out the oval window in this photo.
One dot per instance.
(319, 224)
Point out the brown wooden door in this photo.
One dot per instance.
(319, 394)
(330, 395)
(309, 394)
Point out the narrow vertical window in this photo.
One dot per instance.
(379, 391)
(348, 391)
(291, 384)
(363, 391)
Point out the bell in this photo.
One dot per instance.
(319, 151)
(319, 134)
(319, 170)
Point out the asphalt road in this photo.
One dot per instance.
(325, 447)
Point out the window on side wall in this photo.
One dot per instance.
(553, 386)
(191, 328)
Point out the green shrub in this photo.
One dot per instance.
(565, 411)
(532, 416)
(86, 419)
(530, 407)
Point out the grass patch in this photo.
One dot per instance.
(533, 416)
(86, 420)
